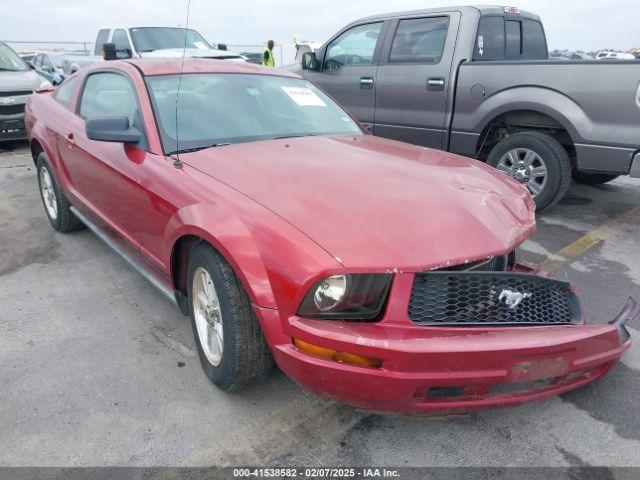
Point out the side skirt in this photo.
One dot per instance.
(134, 264)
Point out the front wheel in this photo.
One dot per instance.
(56, 205)
(536, 160)
(232, 350)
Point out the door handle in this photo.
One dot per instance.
(70, 141)
(435, 84)
(366, 82)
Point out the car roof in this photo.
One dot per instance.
(165, 66)
(482, 9)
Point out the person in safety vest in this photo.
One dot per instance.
(267, 57)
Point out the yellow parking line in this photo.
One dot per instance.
(590, 240)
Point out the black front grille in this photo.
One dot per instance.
(16, 93)
(488, 298)
(12, 109)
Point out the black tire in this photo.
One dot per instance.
(552, 153)
(592, 178)
(246, 359)
(65, 221)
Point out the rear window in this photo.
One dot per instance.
(490, 39)
(511, 39)
(534, 46)
(513, 34)
(419, 40)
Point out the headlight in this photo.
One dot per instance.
(347, 297)
(45, 84)
(329, 292)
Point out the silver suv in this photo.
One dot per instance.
(17, 82)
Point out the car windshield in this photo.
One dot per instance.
(148, 39)
(236, 108)
(9, 60)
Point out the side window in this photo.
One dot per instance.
(46, 63)
(513, 39)
(490, 39)
(354, 47)
(419, 40)
(121, 42)
(65, 90)
(108, 95)
(37, 62)
(534, 44)
(101, 39)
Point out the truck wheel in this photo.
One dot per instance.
(56, 205)
(592, 178)
(232, 350)
(536, 160)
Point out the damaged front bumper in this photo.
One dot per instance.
(444, 370)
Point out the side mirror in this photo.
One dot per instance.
(222, 46)
(112, 129)
(109, 51)
(309, 61)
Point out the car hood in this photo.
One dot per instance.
(15, 81)
(378, 204)
(192, 52)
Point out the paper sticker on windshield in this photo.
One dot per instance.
(305, 97)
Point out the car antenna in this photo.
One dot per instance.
(177, 162)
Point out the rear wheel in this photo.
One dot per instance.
(56, 205)
(592, 178)
(232, 350)
(536, 160)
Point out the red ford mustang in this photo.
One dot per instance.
(375, 272)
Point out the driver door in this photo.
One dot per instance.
(348, 67)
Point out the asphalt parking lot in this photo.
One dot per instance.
(97, 368)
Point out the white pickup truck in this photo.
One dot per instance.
(150, 42)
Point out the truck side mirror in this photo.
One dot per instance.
(109, 51)
(309, 61)
(222, 46)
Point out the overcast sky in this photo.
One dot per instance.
(572, 24)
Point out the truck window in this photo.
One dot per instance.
(534, 44)
(513, 46)
(354, 47)
(121, 41)
(490, 39)
(419, 40)
(103, 36)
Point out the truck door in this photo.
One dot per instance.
(413, 79)
(347, 69)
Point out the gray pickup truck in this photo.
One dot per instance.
(477, 81)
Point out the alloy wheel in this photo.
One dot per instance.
(48, 193)
(208, 316)
(527, 167)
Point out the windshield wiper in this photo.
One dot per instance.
(195, 149)
(11, 69)
(296, 136)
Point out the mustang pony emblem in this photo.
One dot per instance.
(511, 298)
